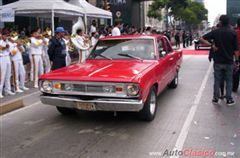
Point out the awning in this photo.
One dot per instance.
(90, 10)
(45, 8)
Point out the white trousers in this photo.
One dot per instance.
(19, 74)
(36, 67)
(82, 55)
(68, 59)
(46, 62)
(5, 72)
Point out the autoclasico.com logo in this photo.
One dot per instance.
(192, 153)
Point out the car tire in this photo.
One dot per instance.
(174, 83)
(66, 111)
(150, 106)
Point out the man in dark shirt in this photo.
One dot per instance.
(57, 49)
(225, 48)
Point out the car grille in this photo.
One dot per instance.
(83, 88)
(88, 89)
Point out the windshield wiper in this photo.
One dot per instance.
(129, 55)
(104, 56)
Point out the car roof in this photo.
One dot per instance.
(154, 36)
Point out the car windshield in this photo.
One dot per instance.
(138, 49)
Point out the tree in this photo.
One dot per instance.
(190, 12)
(158, 5)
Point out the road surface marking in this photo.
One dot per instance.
(19, 110)
(185, 129)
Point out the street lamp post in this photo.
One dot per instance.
(1, 23)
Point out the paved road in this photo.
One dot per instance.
(186, 120)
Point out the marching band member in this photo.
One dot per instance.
(83, 42)
(36, 57)
(94, 39)
(16, 49)
(5, 66)
(68, 47)
(46, 60)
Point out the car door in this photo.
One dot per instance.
(163, 66)
(171, 57)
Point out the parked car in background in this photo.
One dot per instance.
(123, 73)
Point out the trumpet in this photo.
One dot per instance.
(23, 41)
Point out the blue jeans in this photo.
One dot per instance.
(223, 71)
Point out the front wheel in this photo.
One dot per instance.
(174, 82)
(66, 111)
(150, 106)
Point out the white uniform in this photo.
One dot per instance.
(5, 69)
(19, 72)
(92, 29)
(36, 52)
(83, 51)
(116, 31)
(46, 60)
(68, 58)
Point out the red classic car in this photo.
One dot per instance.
(124, 73)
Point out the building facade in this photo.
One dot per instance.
(154, 23)
(130, 12)
(233, 10)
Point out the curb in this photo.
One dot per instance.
(11, 106)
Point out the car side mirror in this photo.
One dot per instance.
(163, 53)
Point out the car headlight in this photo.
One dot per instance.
(47, 86)
(132, 89)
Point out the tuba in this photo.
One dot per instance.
(79, 25)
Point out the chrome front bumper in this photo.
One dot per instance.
(105, 104)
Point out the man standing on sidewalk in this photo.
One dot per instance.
(57, 49)
(225, 48)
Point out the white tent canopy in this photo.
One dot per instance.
(90, 10)
(45, 8)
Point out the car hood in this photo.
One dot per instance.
(101, 70)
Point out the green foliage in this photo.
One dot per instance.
(193, 13)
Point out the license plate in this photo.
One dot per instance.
(86, 106)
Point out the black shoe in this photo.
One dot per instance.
(231, 102)
(215, 101)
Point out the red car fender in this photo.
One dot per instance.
(146, 81)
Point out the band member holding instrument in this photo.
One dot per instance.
(46, 60)
(36, 57)
(84, 45)
(16, 49)
(68, 48)
(81, 42)
(5, 66)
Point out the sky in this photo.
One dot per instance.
(215, 8)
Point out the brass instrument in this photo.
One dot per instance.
(79, 25)
(23, 41)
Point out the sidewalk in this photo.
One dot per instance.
(10, 103)
(19, 100)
